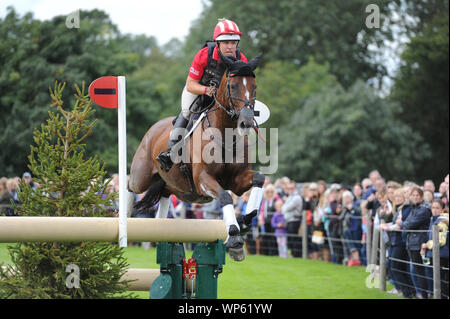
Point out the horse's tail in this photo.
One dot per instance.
(152, 196)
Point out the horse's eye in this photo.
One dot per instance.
(234, 87)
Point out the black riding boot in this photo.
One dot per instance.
(164, 158)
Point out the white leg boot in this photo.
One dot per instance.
(163, 208)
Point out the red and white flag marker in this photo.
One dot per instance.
(110, 92)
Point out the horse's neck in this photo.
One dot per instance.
(221, 119)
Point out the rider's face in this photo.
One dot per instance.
(228, 48)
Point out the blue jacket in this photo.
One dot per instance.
(443, 249)
(418, 219)
(406, 209)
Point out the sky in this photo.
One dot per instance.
(163, 19)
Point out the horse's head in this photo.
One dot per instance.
(238, 92)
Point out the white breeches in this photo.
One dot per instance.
(187, 99)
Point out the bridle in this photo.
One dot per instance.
(232, 111)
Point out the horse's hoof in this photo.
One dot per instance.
(237, 254)
(245, 222)
(235, 244)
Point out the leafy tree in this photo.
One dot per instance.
(71, 185)
(292, 31)
(283, 86)
(342, 134)
(34, 54)
(421, 87)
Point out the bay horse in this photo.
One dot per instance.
(199, 181)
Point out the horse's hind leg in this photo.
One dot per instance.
(163, 207)
(142, 174)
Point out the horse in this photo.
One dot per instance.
(199, 181)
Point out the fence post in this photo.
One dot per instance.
(210, 258)
(382, 262)
(304, 236)
(374, 248)
(436, 264)
(368, 236)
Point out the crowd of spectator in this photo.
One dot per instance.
(334, 219)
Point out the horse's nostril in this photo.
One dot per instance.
(245, 125)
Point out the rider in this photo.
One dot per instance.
(204, 77)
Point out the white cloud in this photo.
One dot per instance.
(162, 19)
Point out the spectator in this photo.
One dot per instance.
(397, 247)
(321, 225)
(418, 220)
(440, 218)
(374, 175)
(279, 224)
(13, 186)
(310, 205)
(390, 189)
(267, 209)
(335, 227)
(366, 184)
(26, 177)
(5, 198)
(428, 185)
(352, 228)
(379, 183)
(447, 191)
(384, 211)
(371, 202)
(321, 188)
(357, 194)
(282, 190)
(428, 197)
(442, 191)
(292, 212)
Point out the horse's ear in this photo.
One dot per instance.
(254, 62)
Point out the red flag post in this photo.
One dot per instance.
(110, 92)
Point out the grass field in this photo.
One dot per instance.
(271, 277)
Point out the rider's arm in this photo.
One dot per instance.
(194, 87)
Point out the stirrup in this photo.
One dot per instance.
(165, 160)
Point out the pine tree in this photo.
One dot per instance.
(70, 185)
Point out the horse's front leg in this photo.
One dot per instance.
(243, 182)
(207, 185)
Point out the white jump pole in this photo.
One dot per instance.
(122, 131)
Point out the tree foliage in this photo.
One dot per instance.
(71, 185)
(421, 87)
(332, 32)
(339, 135)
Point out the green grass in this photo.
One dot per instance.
(271, 277)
